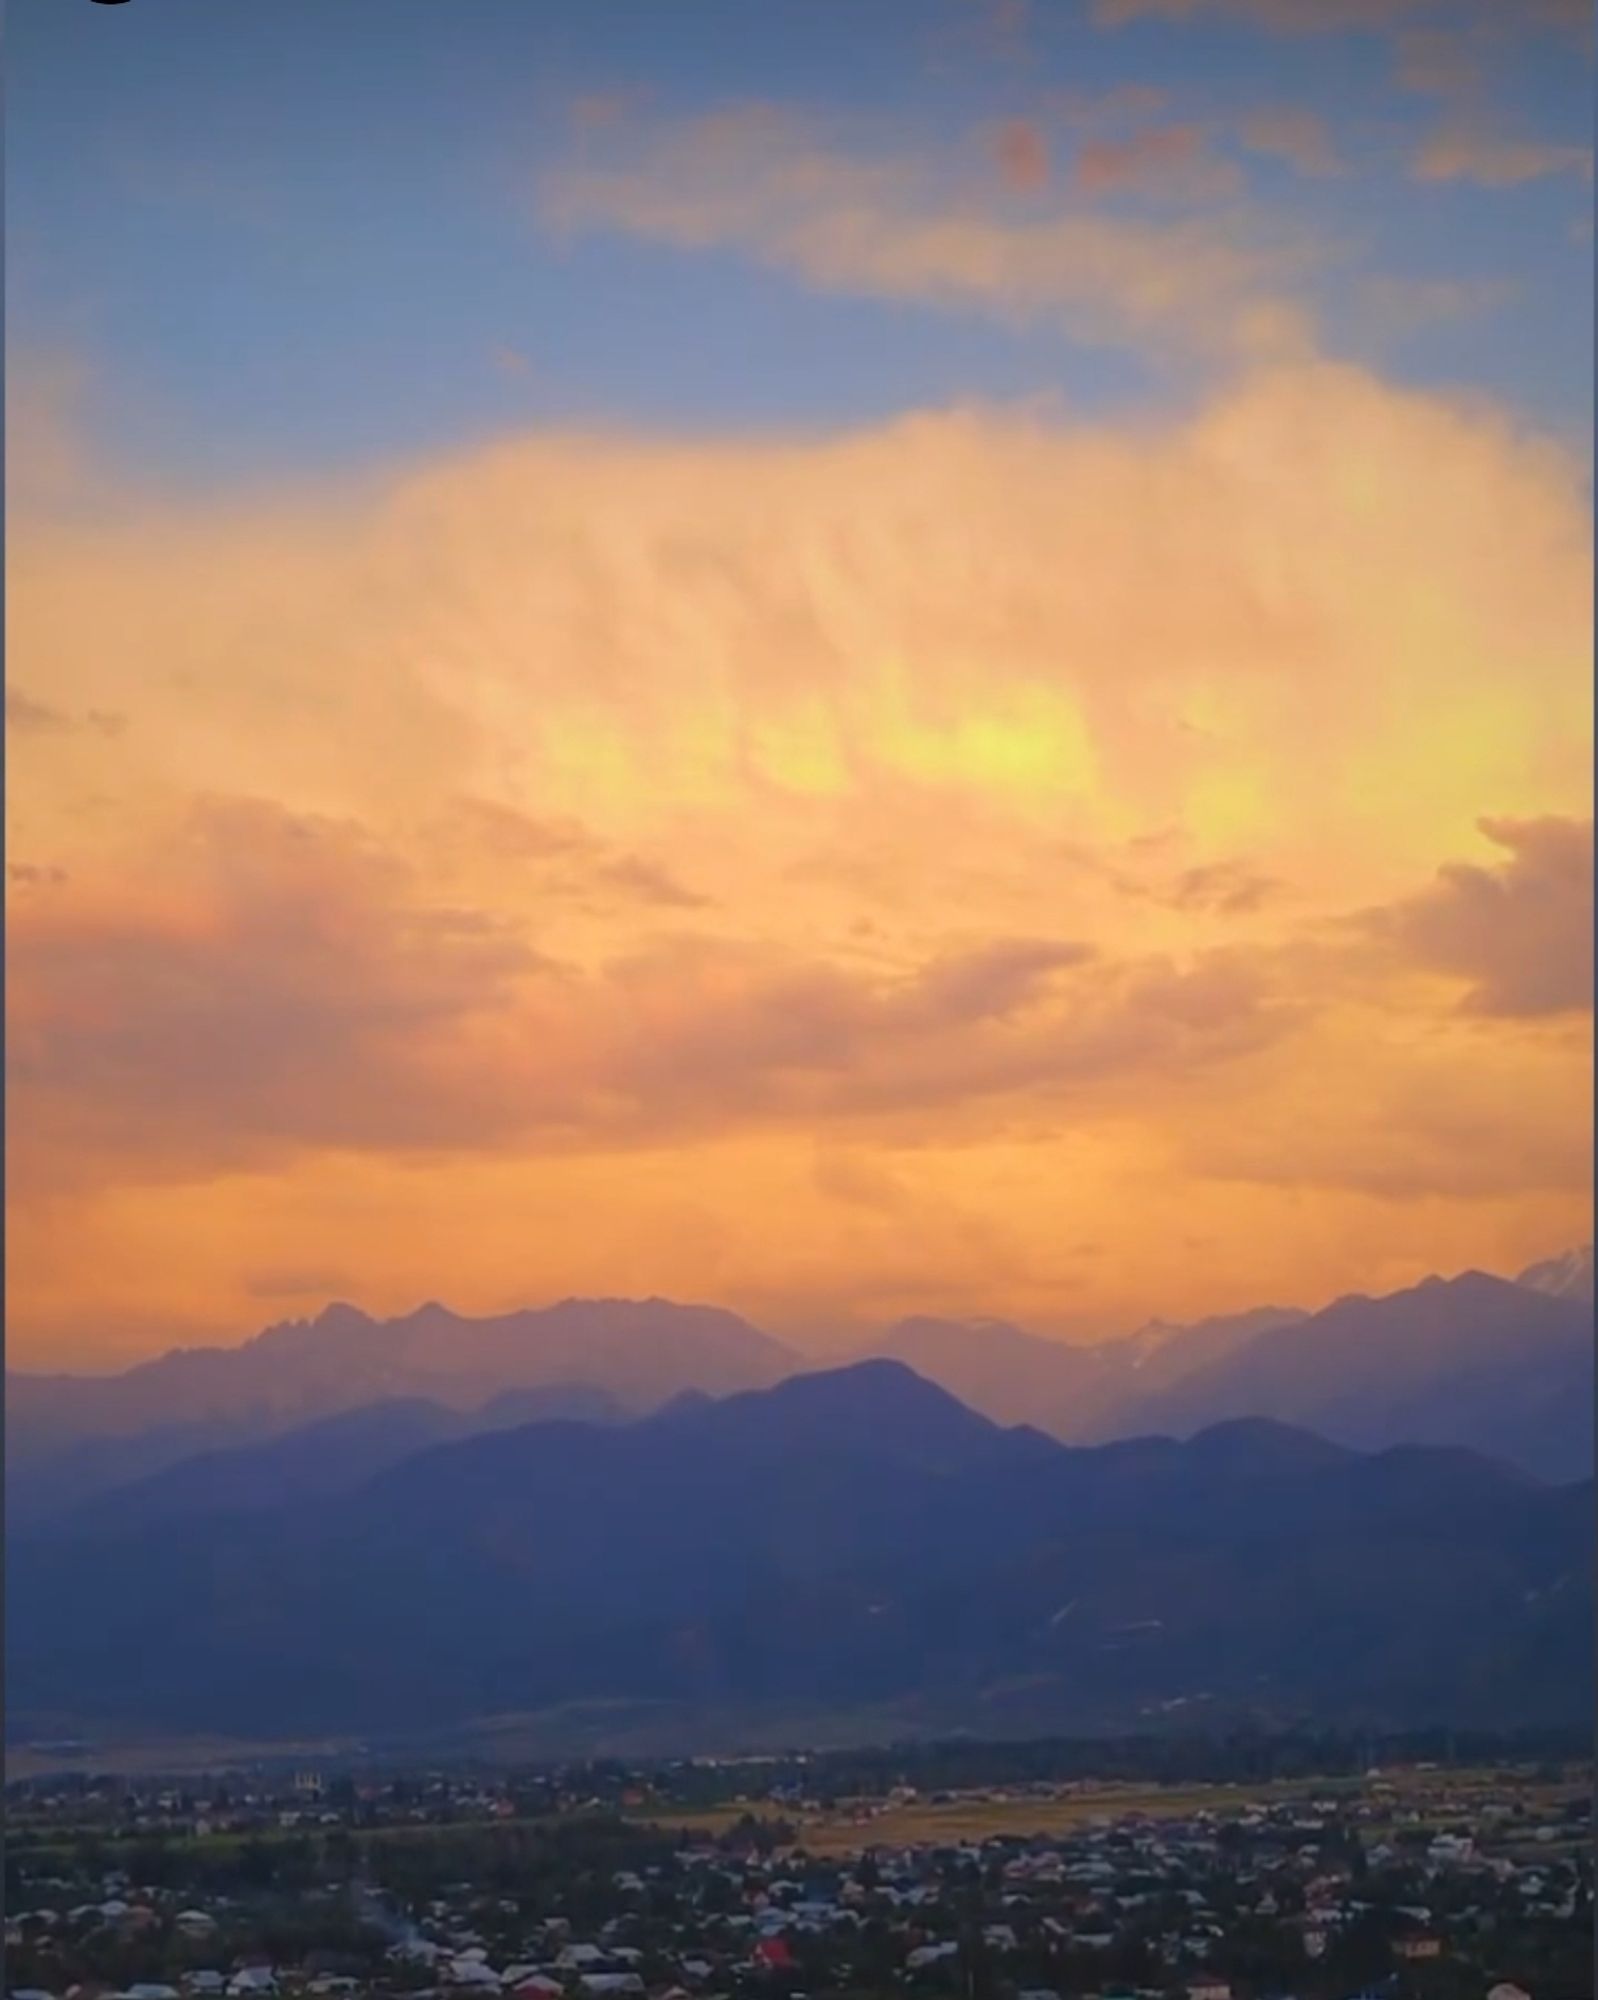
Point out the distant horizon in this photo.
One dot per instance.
(841, 1344)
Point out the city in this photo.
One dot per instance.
(760, 1877)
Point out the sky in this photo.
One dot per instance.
(932, 658)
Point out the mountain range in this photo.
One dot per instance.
(850, 1537)
(1501, 1367)
(69, 1437)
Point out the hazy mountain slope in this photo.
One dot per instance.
(1566, 1277)
(46, 1475)
(1371, 1371)
(846, 1537)
(639, 1352)
(1076, 1393)
(329, 1457)
(1008, 1374)
(1159, 1354)
(1473, 1361)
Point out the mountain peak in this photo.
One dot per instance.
(338, 1316)
(1568, 1276)
(429, 1313)
(1266, 1444)
(877, 1407)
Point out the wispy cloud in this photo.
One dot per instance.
(1291, 17)
(1487, 160)
(1300, 137)
(897, 225)
(1022, 152)
(1171, 160)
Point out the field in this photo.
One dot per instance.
(167, 1756)
(1443, 1795)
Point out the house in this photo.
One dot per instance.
(471, 1972)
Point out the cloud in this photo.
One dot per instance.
(1108, 110)
(284, 989)
(992, 982)
(599, 110)
(1022, 154)
(1444, 62)
(1170, 160)
(1426, 24)
(267, 986)
(996, 30)
(1487, 161)
(1293, 17)
(1395, 307)
(593, 827)
(894, 225)
(1290, 133)
(1229, 887)
(569, 859)
(1521, 933)
(320, 1282)
(27, 716)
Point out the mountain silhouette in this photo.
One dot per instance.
(850, 1537)
(330, 1456)
(69, 1436)
(1473, 1361)
(1503, 1368)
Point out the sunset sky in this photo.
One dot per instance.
(925, 657)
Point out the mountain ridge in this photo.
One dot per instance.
(849, 1537)
(70, 1437)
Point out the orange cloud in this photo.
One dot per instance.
(266, 986)
(514, 875)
